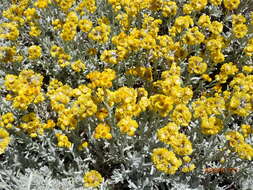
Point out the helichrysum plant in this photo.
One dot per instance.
(126, 94)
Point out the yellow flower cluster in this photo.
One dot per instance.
(6, 120)
(102, 131)
(65, 5)
(9, 31)
(101, 79)
(241, 96)
(70, 112)
(30, 14)
(78, 66)
(34, 52)
(42, 3)
(143, 72)
(231, 4)
(35, 30)
(4, 140)
(32, 125)
(63, 141)
(69, 27)
(236, 141)
(165, 160)
(249, 48)
(9, 54)
(92, 178)
(86, 7)
(188, 167)
(63, 58)
(226, 70)
(173, 94)
(100, 33)
(25, 89)
(15, 12)
(57, 24)
(85, 25)
(193, 36)
(239, 28)
(130, 102)
(246, 130)
(109, 56)
(196, 65)
(128, 126)
(206, 109)
(179, 142)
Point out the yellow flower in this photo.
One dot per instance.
(246, 130)
(85, 25)
(86, 7)
(204, 21)
(92, 179)
(249, 48)
(231, 4)
(187, 9)
(165, 160)
(109, 56)
(63, 140)
(128, 125)
(240, 103)
(198, 5)
(4, 140)
(57, 24)
(83, 145)
(188, 168)
(78, 65)
(34, 30)
(187, 159)
(234, 138)
(238, 19)
(183, 22)
(102, 113)
(9, 30)
(102, 131)
(196, 65)
(240, 30)
(181, 115)
(100, 33)
(161, 104)
(181, 144)
(165, 133)
(42, 3)
(30, 13)
(216, 27)
(244, 150)
(215, 2)
(169, 8)
(214, 45)
(101, 79)
(247, 69)
(211, 125)
(34, 52)
(193, 36)
(7, 118)
(143, 72)
(206, 77)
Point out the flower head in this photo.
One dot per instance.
(92, 179)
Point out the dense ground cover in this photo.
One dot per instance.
(126, 94)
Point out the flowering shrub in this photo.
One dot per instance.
(127, 94)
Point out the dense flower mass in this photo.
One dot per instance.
(127, 84)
